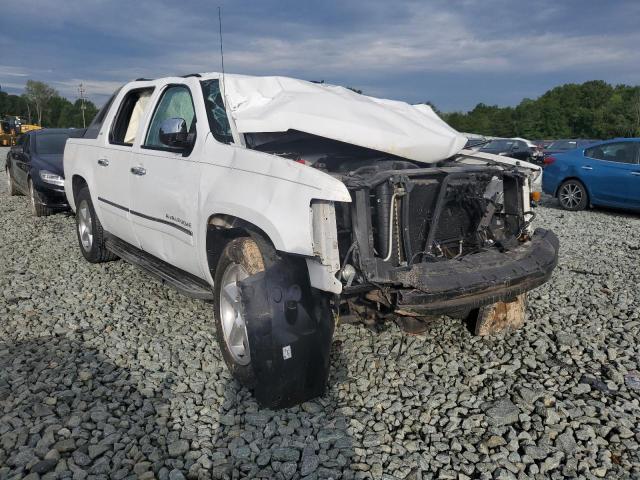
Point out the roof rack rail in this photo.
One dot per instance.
(143, 79)
(192, 75)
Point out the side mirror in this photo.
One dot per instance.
(173, 133)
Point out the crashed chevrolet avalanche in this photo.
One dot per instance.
(292, 206)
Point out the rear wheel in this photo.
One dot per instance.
(573, 195)
(240, 259)
(37, 208)
(89, 230)
(11, 186)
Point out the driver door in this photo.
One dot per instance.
(165, 186)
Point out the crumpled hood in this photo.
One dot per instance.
(278, 104)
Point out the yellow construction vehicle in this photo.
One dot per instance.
(11, 127)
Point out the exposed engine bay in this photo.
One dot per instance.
(412, 227)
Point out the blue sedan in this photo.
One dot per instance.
(605, 174)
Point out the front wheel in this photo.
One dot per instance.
(573, 195)
(240, 259)
(89, 230)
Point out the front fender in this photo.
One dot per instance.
(270, 192)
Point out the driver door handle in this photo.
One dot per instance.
(138, 171)
(587, 167)
(103, 162)
(635, 173)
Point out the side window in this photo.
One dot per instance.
(176, 102)
(216, 113)
(130, 114)
(96, 124)
(621, 152)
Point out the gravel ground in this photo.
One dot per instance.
(104, 373)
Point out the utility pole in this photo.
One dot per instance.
(82, 91)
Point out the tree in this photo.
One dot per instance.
(593, 109)
(635, 130)
(39, 94)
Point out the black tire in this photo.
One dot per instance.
(94, 251)
(242, 251)
(37, 208)
(11, 185)
(573, 195)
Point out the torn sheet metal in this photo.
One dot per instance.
(279, 104)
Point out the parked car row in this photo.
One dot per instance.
(579, 172)
(34, 168)
(518, 148)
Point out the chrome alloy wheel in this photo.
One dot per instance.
(234, 328)
(85, 226)
(571, 195)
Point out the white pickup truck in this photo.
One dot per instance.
(292, 205)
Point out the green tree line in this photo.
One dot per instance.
(43, 105)
(592, 109)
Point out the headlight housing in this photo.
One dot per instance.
(52, 178)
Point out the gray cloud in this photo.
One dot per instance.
(392, 50)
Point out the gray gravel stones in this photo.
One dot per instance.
(502, 412)
(105, 373)
(178, 448)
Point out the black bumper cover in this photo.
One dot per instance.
(480, 279)
(51, 196)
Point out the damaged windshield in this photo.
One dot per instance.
(216, 113)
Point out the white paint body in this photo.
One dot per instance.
(270, 192)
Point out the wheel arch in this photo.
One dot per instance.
(221, 228)
(77, 182)
(573, 177)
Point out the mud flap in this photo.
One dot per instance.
(290, 328)
(501, 316)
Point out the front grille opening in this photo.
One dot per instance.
(474, 212)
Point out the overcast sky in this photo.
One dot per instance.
(452, 53)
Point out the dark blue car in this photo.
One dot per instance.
(605, 174)
(34, 168)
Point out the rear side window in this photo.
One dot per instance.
(216, 113)
(130, 114)
(96, 124)
(621, 152)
